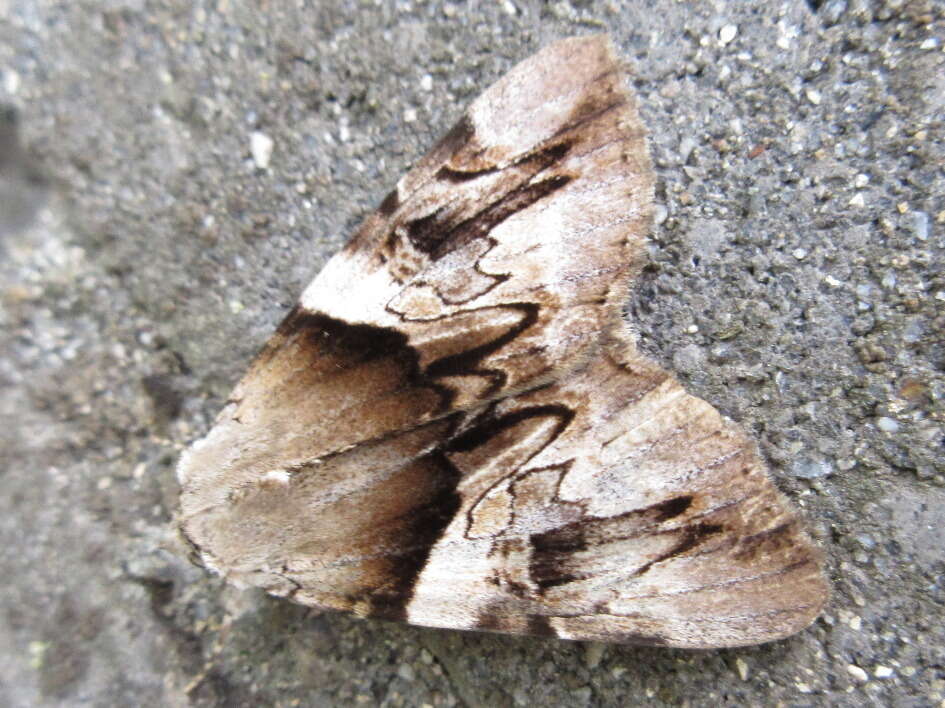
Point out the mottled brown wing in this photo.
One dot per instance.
(450, 429)
(494, 265)
(639, 516)
(613, 506)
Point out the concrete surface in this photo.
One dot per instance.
(797, 283)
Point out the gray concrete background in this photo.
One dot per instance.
(797, 283)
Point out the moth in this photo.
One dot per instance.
(454, 426)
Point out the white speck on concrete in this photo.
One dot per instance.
(857, 673)
(660, 214)
(811, 469)
(11, 81)
(887, 425)
(727, 34)
(786, 34)
(920, 225)
(260, 147)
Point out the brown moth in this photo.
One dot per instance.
(454, 426)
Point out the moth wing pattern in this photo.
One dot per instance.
(641, 517)
(453, 427)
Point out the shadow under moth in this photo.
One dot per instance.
(454, 426)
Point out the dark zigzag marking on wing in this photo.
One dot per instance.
(463, 131)
(436, 236)
(467, 363)
(493, 212)
(573, 538)
(489, 427)
(553, 549)
(542, 157)
(432, 234)
(585, 112)
(548, 570)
